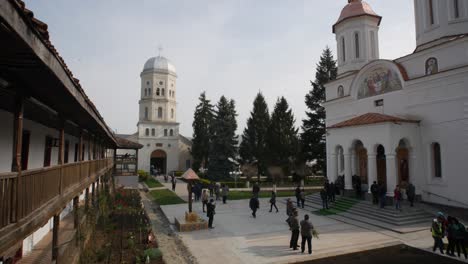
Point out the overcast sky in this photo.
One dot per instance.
(235, 48)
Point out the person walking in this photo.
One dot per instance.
(306, 233)
(254, 205)
(411, 193)
(382, 195)
(211, 188)
(217, 191)
(210, 212)
(375, 193)
(224, 192)
(289, 209)
(437, 235)
(450, 237)
(174, 182)
(302, 196)
(255, 189)
(204, 200)
(323, 196)
(273, 201)
(460, 235)
(331, 192)
(397, 197)
(298, 195)
(294, 227)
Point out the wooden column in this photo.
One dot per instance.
(80, 147)
(61, 152)
(55, 231)
(87, 199)
(92, 194)
(115, 164)
(76, 201)
(136, 162)
(16, 161)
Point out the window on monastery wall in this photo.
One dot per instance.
(343, 49)
(340, 91)
(172, 113)
(146, 92)
(430, 10)
(146, 112)
(153, 132)
(162, 91)
(161, 83)
(160, 112)
(75, 158)
(432, 66)
(356, 44)
(436, 160)
(66, 150)
(456, 9)
(157, 91)
(171, 132)
(165, 132)
(147, 82)
(147, 132)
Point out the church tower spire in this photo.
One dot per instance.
(356, 32)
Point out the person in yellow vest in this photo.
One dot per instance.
(437, 234)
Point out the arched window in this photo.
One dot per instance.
(432, 66)
(146, 92)
(171, 132)
(456, 9)
(153, 132)
(431, 11)
(373, 44)
(172, 113)
(165, 132)
(162, 91)
(340, 91)
(157, 91)
(147, 132)
(160, 112)
(436, 160)
(343, 49)
(356, 44)
(146, 112)
(173, 93)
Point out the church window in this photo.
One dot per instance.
(149, 91)
(340, 91)
(456, 9)
(146, 112)
(147, 82)
(431, 11)
(157, 91)
(153, 132)
(343, 49)
(436, 160)
(145, 91)
(165, 132)
(173, 93)
(147, 132)
(171, 132)
(161, 83)
(432, 66)
(172, 113)
(372, 37)
(162, 91)
(356, 44)
(160, 110)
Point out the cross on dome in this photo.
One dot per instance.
(160, 48)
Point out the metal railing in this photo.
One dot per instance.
(444, 197)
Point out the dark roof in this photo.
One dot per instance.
(123, 143)
(371, 118)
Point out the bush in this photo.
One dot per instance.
(178, 173)
(142, 175)
(152, 253)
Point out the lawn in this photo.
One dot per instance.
(152, 183)
(165, 197)
(239, 195)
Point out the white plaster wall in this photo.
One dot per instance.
(172, 152)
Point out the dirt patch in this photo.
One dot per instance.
(173, 249)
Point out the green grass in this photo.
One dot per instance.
(165, 197)
(341, 205)
(239, 195)
(152, 183)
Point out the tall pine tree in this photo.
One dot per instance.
(202, 120)
(254, 139)
(223, 144)
(313, 127)
(282, 136)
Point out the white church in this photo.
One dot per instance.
(406, 119)
(158, 129)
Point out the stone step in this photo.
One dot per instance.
(408, 228)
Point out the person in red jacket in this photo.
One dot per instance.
(397, 197)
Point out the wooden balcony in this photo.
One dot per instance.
(29, 199)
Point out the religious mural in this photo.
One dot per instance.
(379, 81)
(432, 66)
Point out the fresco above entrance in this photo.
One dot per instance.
(379, 81)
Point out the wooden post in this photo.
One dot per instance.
(76, 201)
(136, 162)
(92, 194)
(16, 162)
(115, 164)
(190, 196)
(87, 199)
(80, 147)
(55, 231)
(61, 152)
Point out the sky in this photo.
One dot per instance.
(234, 48)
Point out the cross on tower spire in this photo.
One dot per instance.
(160, 48)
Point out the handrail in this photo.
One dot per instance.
(448, 199)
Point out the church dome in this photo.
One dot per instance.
(159, 64)
(356, 8)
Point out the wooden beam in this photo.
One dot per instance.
(16, 163)
(55, 231)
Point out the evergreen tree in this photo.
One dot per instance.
(202, 120)
(254, 139)
(223, 147)
(282, 136)
(313, 127)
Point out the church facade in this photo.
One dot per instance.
(404, 120)
(158, 130)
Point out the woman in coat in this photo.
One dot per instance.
(273, 201)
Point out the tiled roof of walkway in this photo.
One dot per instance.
(371, 118)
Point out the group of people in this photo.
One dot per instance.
(300, 196)
(327, 194)
(379, 194)
(305, 228)
(219, 191)
(455, 232)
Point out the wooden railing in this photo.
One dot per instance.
(39, 186)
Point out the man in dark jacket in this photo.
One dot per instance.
(256, 190)
(382, 195)
(210, 212)
(331, 192)
(375, 192)
(254, 205)
(294, 227)
(323, 196)
(306, 233)
(411, 193)
(298, 195)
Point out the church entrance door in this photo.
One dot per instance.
(402, 154)
(381, 166)
(159, 160)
